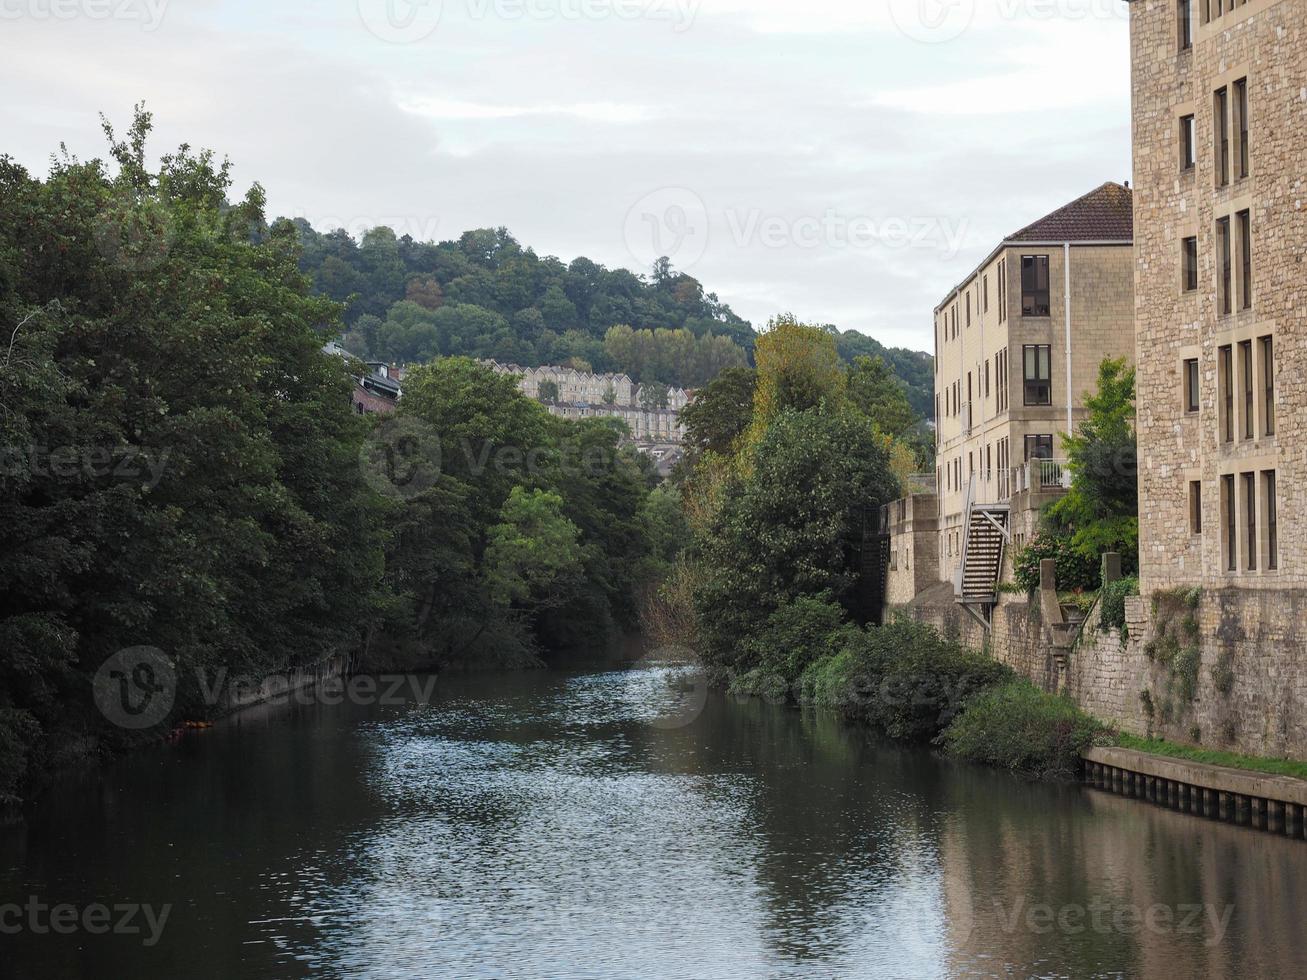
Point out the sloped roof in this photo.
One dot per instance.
(1105, 214)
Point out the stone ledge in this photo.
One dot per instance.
(1285, 789)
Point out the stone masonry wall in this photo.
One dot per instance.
(1265, 42)
(1249, 683)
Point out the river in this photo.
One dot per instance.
(608, 823)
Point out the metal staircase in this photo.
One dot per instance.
(984, 540)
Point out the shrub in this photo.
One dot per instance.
(1074, 570)
(902, 678)
(1018, 727)
(1112, 613)
(795, 635)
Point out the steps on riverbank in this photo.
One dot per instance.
(1268, 802)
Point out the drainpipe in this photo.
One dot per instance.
(1070, 398)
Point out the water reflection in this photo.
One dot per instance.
(548, 825)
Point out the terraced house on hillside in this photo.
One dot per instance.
(1017, 347)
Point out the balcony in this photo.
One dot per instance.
(1041, 476)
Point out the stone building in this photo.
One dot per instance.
(580, 394)
(1219, 111)
(1018, 344)
(1215, 649)
(1220, 106)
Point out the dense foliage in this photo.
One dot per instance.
(902, 678)
(1075, 571)
(786, 479)
(1018, 727)
(183, 469)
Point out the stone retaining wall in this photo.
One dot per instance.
(1244, 691)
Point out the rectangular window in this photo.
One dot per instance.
(1038, 375)
(1188, 143)
(1229, 513)
(1225, 293)
(1196, 507)
(1191, 385)
(1241, 127)
(1034, 285)
(1039, 447)
(1250, 517)
(987, 378)
(1189, 263)
(968, 309)
(1221, 119)
(1226, 379)
(1245, 260)
(999, 404)
(1002, 291)
(1186, 24)
(1268, 386)
(985, 290)
(1246, 372)
(1272, 529)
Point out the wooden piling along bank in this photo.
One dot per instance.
(1276, 804)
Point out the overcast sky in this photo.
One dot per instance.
(846, 161)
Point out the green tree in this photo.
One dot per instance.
(1101, 508)
(533, 554)
(549, 392)
(721, 412)
(785, 529)
(876, 393)
(209, 502)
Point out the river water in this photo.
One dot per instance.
(598, 824)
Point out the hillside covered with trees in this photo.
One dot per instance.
(487, 296)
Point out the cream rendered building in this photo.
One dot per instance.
(1018, 345)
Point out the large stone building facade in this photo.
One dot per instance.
(1220, 108)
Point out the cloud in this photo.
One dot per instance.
(455, 109)
(826, 112)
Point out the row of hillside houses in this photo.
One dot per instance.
(377, 390)
(651, 412)
(1196, 276)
